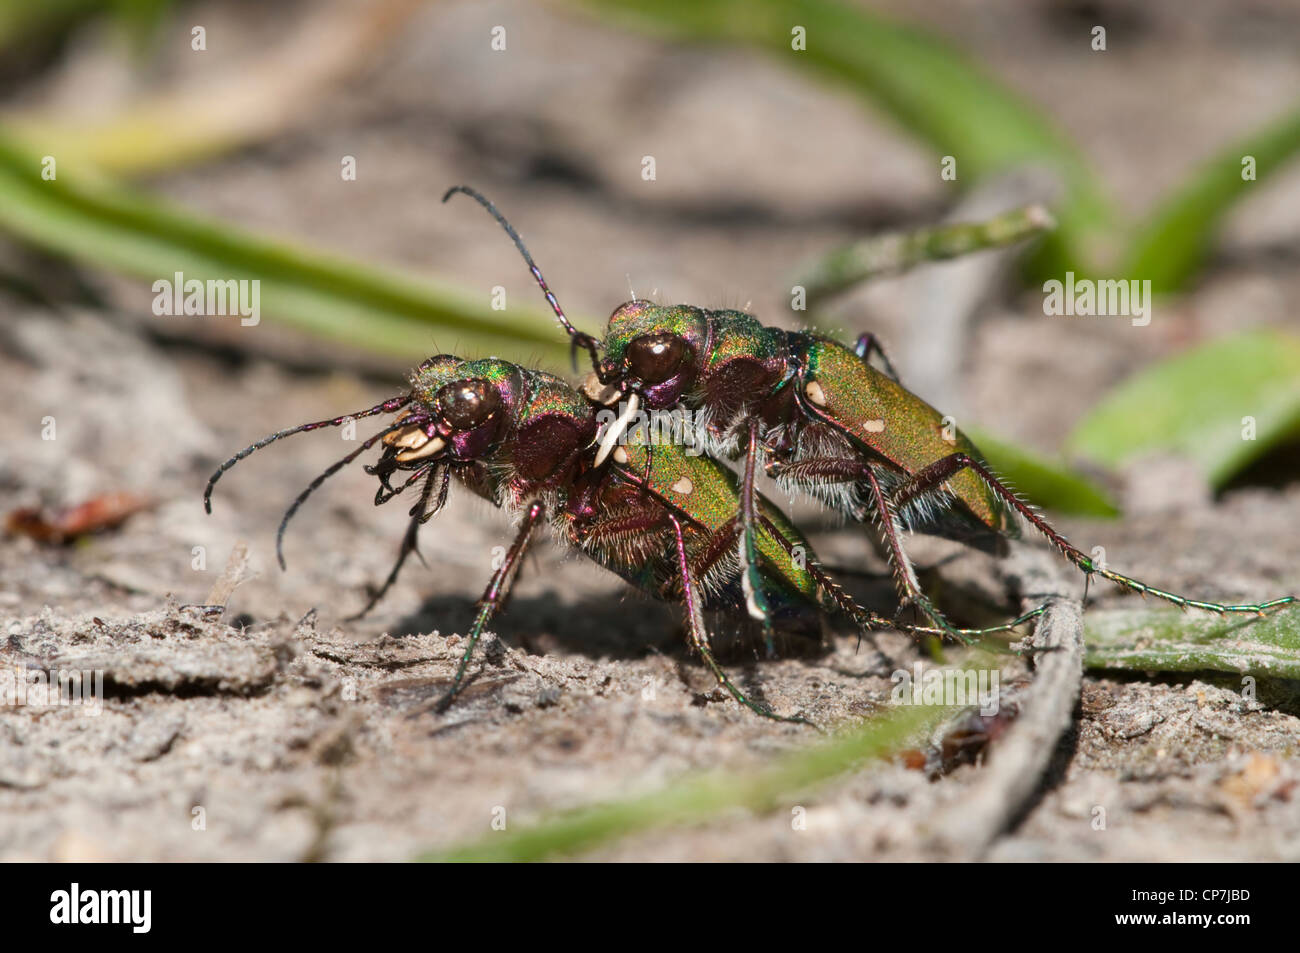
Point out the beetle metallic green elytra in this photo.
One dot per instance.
(657, 516)
(821, 419)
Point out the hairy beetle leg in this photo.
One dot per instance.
(932, 477)
(909, 585)
(699, 636)
(492, 598)
(755, 599)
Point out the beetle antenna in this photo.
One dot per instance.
(315, 484)
(578, 338)
(391, 404)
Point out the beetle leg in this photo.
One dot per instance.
(699, 635)
(936, 474)
(420, 514)
(751, 578)
(493, 596)
(891, 533)
(852, 470)
(865, 619)
(869, 343)
(609, 530)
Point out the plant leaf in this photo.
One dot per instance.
(1172, 244)
(1194, 403)
(932, 90)
(698, 798)
(382, 310)
(1044, 482)
(1173, 641)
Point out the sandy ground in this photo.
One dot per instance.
(282, 732)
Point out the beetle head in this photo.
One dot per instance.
(461, 411)
(654, 350)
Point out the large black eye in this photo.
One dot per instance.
(468, 404)
(655, 357)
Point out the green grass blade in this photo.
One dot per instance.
(1194, 405)
(1173, 641)
(932, 90)
(697, 799)
(846, 266)
(1044, 482)
(1175, 240)
(93, 221)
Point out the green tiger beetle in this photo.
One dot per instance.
(525, 440)
(823, 420)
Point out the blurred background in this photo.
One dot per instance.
(705, 152)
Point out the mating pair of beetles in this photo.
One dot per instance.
(813, 413)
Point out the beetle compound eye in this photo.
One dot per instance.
(655, 357)
(468, 404)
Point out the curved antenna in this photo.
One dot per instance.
(578, 338)
(315, 484)
(391, 404)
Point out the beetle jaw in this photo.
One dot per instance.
(413, 442)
